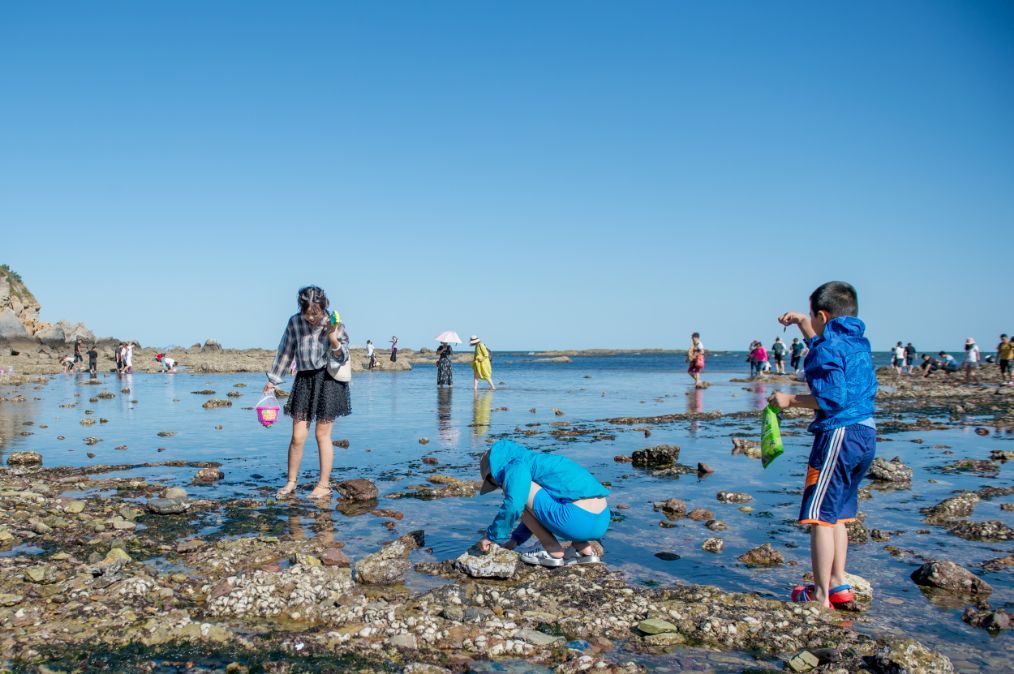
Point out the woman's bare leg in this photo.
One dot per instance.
(300, 429)
(548, 540)
(326, 448)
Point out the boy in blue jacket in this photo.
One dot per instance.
(546, 495)
(839, 371)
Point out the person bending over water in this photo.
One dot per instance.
(546, 495)
(315, 395)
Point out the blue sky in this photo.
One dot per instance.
(547, 175)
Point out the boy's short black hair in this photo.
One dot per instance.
(837, 298)
(696, 334)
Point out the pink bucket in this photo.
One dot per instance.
(267, 411)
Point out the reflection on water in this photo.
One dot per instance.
(321, 526)
(446, 431)
(695, 405)
(482, 402)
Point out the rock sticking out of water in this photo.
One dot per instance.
(166, 506)
(953, 508)
(763, 556)
(713, 544)
(24, 459)
(497, 563)
(905, 656)
(214, 403)
(949, 576)
(660, 456)
(987, 619)
(889, 471)
(357, 490)
(208, 475)
(990, 530)
(733, 497)
(673, 508)
(745, 447)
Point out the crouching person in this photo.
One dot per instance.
(546, 495)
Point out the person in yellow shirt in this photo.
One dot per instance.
(1005, 354)
(482, 364)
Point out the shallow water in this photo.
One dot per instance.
(392, 411)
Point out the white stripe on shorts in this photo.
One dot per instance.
(826, 471)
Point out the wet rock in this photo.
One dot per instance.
(889, 471)
(733, 497)
(41, 574)
(701, 515)
(74, 507)
(389, 564)
(404, 640)
(446, 487)
(716, 525)
(656, 626)
(763, 556)
(622, 458)
(174, 493)
(208, 475)
(358, 489)
(987, 619)
(713, 544)
(215, 403)
(166, 506)
(342, 443)
(204, 392)
(430, 461)
(335, 557)
(704, 469)
(949, 576)
(536, 638)
(998, 564)
(990, 530)
(234, 394)
(953, 508)
(667, 556)
(673, 508)
(858, 534)
(190, 545)
(114, 560)
(166, 434)
(497, 563)
(905, 656)
(804, 661)
(23, 459)
(977, 466)
(660, 456)
(424, 441)
(745, 447)
(90, 440)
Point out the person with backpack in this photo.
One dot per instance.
(779, 349)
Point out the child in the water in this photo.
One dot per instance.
(546, 495)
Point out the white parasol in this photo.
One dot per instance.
(448, 336)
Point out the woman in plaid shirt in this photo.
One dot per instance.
(307, 340)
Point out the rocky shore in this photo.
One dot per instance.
(89, 596)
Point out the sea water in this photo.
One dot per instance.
(391, 412)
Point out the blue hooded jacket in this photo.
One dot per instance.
(514, 468)
(839, 370)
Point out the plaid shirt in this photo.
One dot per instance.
(308, 345)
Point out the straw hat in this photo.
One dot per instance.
(473, 340)
(969, 341)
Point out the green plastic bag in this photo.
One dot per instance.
(771, 435)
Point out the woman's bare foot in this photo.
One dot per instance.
(320, 491)
(289, 487)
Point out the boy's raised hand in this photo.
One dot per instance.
(792, 318)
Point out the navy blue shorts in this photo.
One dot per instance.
(838, 461)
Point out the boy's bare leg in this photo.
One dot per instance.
(841, 551)
(548, 540)
(822, 554)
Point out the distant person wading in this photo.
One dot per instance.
(695, 359)
(445, 373)
(310, 341)
(482, 364)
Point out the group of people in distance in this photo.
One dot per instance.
(760, 363)
(557, 500)
(70, 362)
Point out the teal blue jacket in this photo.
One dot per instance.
(514, 468)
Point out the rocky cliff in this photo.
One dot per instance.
(19, 314)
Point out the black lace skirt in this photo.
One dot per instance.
(316, 395)
(444, 372)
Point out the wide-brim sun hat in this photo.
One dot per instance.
(487, 481)
(969, 341)
(473, 340)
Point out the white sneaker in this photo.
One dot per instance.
(572, 556)
(540, 557)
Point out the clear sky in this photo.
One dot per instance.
(547, 175)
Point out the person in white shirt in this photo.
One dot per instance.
(972, 358)
(898, 358)
(129, 359)
(370, 351)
